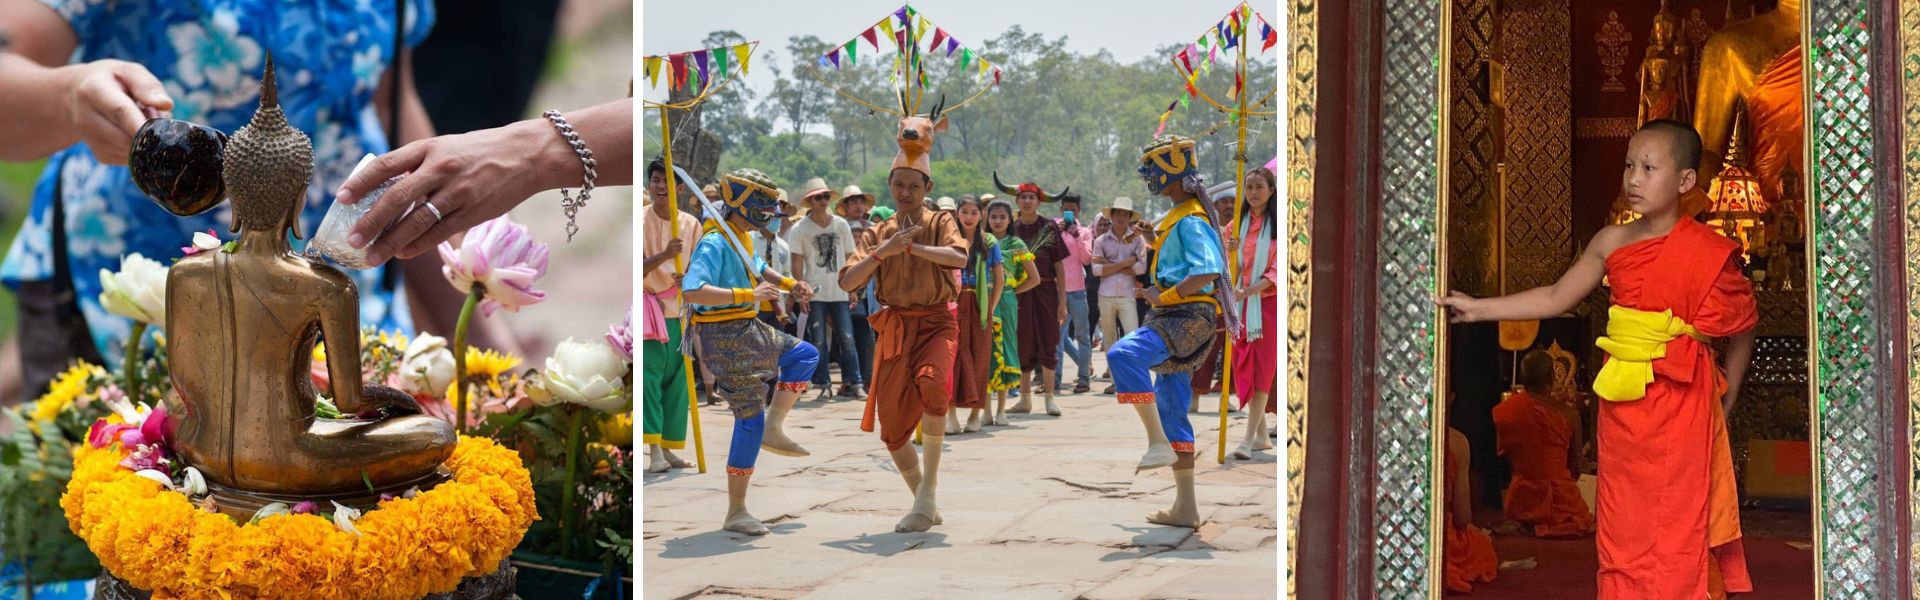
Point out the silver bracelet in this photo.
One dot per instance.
(568, 203)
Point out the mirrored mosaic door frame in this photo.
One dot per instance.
(1849, 323)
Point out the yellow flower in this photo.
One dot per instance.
(65, 389)
(488, 365)
(407, 548)
(617, 429)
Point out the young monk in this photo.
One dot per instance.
(1152, 365)
(1537, 435)
(1467, 549)
(1668, 523)
(914, 333)
(725, 306)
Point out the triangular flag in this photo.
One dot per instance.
(900, 40)
(910, 11)
(720, 61)
(1231, 40)
(678, 62)
(740, 52)
(1271, 39)
(902, 13)
(851, 59)
(920, 29)
(1186, 61)
(873, 37)
(1237, 82)
(939, 35)
(983, 67)
(1183, 97)
(835, 57)
(966, 56)
(996, 76)
(700, 57)
(1203, 41)
(951, 45)
(653, 71)
(824, 62)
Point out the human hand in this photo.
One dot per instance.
(802, 295)
(766, 291)
(469, 178)
(673, 248)
(1463, 308)
(107, 101)
(899, 243)
(1151, 295)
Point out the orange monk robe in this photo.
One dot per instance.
(1667, 512)
(1777, 122)
(1468, 550)
(1536, 438)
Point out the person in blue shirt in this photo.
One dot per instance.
(743, 352)
(1153, 365)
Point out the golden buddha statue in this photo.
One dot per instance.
(242, 325)
(1734, 63)
(1663, 74)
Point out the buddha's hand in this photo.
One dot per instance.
(107, 101)
(389, 402)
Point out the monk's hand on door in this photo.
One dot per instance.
(1461, 307)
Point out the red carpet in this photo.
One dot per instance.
(1567, 567)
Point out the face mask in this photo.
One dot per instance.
(774, 225)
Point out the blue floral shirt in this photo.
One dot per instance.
(329, 55)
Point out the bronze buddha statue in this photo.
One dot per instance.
(1731, 65)
(242, 325)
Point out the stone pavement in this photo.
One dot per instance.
(1047, 507)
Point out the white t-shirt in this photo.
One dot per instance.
(823, 250)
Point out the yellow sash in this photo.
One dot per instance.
(1634, 339)
(1186, 209)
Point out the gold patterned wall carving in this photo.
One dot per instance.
(1601, 128)
(1302, 94)
(1535, 38)
(1612, 45)
(1473, 259)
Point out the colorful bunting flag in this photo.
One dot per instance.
(873, 37)
(1186, 61)
(1270, 38)
(653, 71)
(720, 61)
(966, 56)
(678, 63)
(952, 44)
(996, 76)
(826, 63)
(835, 57)
(938, 35)
(1184, 96)
(983, 67)
(741, 52)
(851, 59)
(700, 57)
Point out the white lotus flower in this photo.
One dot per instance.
(586, 373)
(343, 518)
(138, 291)
(195, 484)
(156, 476)
(426, 368)
(277, 508)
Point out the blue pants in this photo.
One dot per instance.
(1076, 339)
(834, 316)
(796, 366)
(1131, 360)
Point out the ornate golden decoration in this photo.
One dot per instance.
(1302, 94)
(1612, 40)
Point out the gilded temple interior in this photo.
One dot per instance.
(1544, 97)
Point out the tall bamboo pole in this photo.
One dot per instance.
(680, 270)
(1233, 251)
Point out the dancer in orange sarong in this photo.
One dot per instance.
(1537, 438)
(1668, 523)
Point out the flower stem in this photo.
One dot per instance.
(460, 358)
(568, 520)
(127, 368)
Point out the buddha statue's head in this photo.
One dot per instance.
(267, 166)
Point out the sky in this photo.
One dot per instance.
(1129, 29)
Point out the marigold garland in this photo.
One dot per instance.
(407, 548)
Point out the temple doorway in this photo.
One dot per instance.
(1544, 97)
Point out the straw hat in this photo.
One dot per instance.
(1122, 203)
(985, 198)
(815, 186)
(945, 203)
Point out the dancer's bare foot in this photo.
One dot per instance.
(743, 522)
(973, 422)
(656, 460)
(1052, 409)
(953, 422)
(1022, 407)
(1242, 452)
(1263, 444)
(1189, 518)
(776, 441)
(675, 461)
(1000, 420)
(1158, 455)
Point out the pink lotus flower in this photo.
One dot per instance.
(145, 457)
(621, 336)
(305, 507)
(501, 256)
(202, 242)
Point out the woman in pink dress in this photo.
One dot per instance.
(1256, 349)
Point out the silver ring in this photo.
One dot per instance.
(430, 208)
